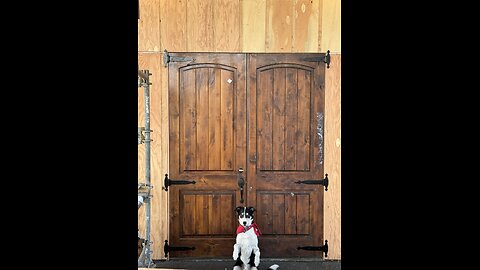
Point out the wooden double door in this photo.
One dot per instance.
(256, 118)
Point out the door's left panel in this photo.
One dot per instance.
(207, 122)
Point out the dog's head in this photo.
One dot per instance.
(245, 215)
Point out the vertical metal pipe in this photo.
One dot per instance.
(147, 163)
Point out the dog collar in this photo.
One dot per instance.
(256, 230)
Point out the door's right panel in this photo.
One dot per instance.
(286, 109)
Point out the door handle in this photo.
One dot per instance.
(241, 183)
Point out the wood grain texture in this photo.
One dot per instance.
(253, 25)
(200, 35)
(172, 35)
(278, 36)
(331, 27)
(149, 26)
(332, 205)
(173, 29)
(305, 25)
(159, 218)
(227, 25)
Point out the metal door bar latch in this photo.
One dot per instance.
(167, 248)
(323, 248)
(323, 182)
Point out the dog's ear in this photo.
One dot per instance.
(251, 209)
(239, 210)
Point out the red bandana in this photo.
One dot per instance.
(256, 230)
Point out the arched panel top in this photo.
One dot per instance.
(285, 65)
(199, 66)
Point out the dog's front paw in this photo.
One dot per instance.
(257, 259)
(235, 256)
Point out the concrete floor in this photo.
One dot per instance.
(285, 264)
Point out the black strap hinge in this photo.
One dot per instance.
(167, 248)
(168, 182)
(323, 248)
(167, 58)
(323, 182)
(325, 59)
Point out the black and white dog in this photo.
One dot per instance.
(246, 251)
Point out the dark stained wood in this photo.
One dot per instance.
(291, 112)
(202, 102)
(304, 120)
(207, 121)
(189, 209)
(278, 120)
(286, 113)
(214, 216)
(227, 112)
(188, 120)
(209, 118)
(303, 214)
(291, 214)
(214, 119)
(278, 213)
(265, 125)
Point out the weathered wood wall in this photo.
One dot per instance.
(236, 26)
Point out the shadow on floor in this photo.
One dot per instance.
(285, 264)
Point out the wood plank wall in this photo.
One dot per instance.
(236, 26)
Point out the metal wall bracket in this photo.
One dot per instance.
(323, 182)
(167, 248)
(325, 59)
(323, 248)
(167, 58)
(168, 182)
(141, 135)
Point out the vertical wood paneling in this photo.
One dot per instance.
(278, 128)
(264, 118)
(278, 214)
(149, 26)
(253, 25)
(227, 26)
(290, 214)
(331, 19)
(279, 26)
(264, 216)
(227, 101)
(214, 147)
(291, 120)
(305, 26)
(200, 25)
(303, 214)
(202, 118)
(332, 199)
(189, 214)
(170, 30)
(226, 213)
(303, 139)
(188, 130)
(201, 214)
(214, 216)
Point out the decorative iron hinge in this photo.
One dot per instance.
(323, 182)
(167, 248)
(323, 248)
(325, 59)
(167, 58)
(168, 182)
